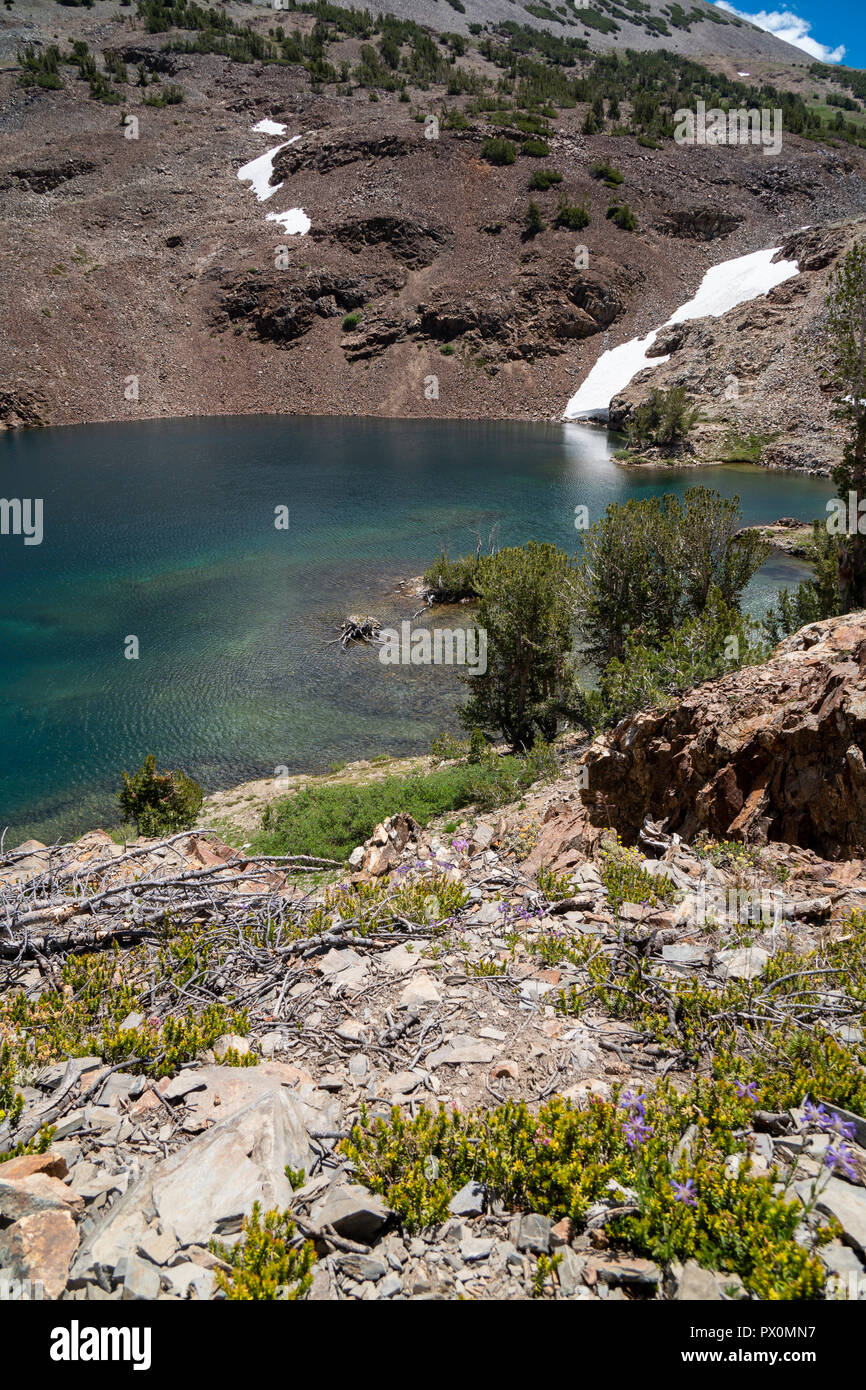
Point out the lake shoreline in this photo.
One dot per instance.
(238, 672)
(636, 463)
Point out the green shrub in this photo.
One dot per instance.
(448, 746)
(11, 1100)
(622, 216)
(542, 179)
(652, 675)
(169, 95)
(268, 1262)
(351, 321)
(535, 149)
(450, 581)
(561, 1160)
(574, 216)
(650, 564)
(814, 598)
(430, 897)
(627, 881)
(100, 990)
(498, 151)
(533, 222)
(159, 802)
(554, 886)
(40, 68)
(664, 418)
(525, 606)
(608, 175)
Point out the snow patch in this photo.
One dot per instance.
(723, 288)
(258, 171)
(269, 127)
(295, 222)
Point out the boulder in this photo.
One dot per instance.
(40, 1248)
(352, 1211)
(206, 1189)
(20, 1197)
(53, 1165)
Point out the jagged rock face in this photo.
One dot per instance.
(699, 224)
(414, 243)
(322, 155)
(280, 313)
(20, 407)
(772, 752)
(44, 178)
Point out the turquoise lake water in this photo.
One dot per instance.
(165, 530)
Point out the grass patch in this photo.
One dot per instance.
(331, 821)
(737, 448)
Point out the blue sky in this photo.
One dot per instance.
(831, 30)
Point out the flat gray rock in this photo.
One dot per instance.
(847, 1204)
(469, 1201)
(205, 1189)
(744, 963)
(352, 1211)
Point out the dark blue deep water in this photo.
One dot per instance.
(165, 531)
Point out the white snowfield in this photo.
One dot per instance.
(269, 127)
(723, 287)
(258, 172)
(295, 222)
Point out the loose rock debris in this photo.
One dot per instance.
(430, 993)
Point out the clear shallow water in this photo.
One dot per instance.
(165, 530)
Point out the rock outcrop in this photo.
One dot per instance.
(772, 752)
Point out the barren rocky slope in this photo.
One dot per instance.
(148, 258)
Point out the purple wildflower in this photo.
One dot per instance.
(815, 1114)
(845, 1128)
(839, 1156)
(685, 1192)
(634, 1100)
(746, 1090)
(636, 1131)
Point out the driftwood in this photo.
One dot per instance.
(358, 628)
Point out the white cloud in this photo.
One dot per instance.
(789, 27)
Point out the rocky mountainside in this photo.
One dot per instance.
(758, 373)
(148, 259)
(695, 30)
